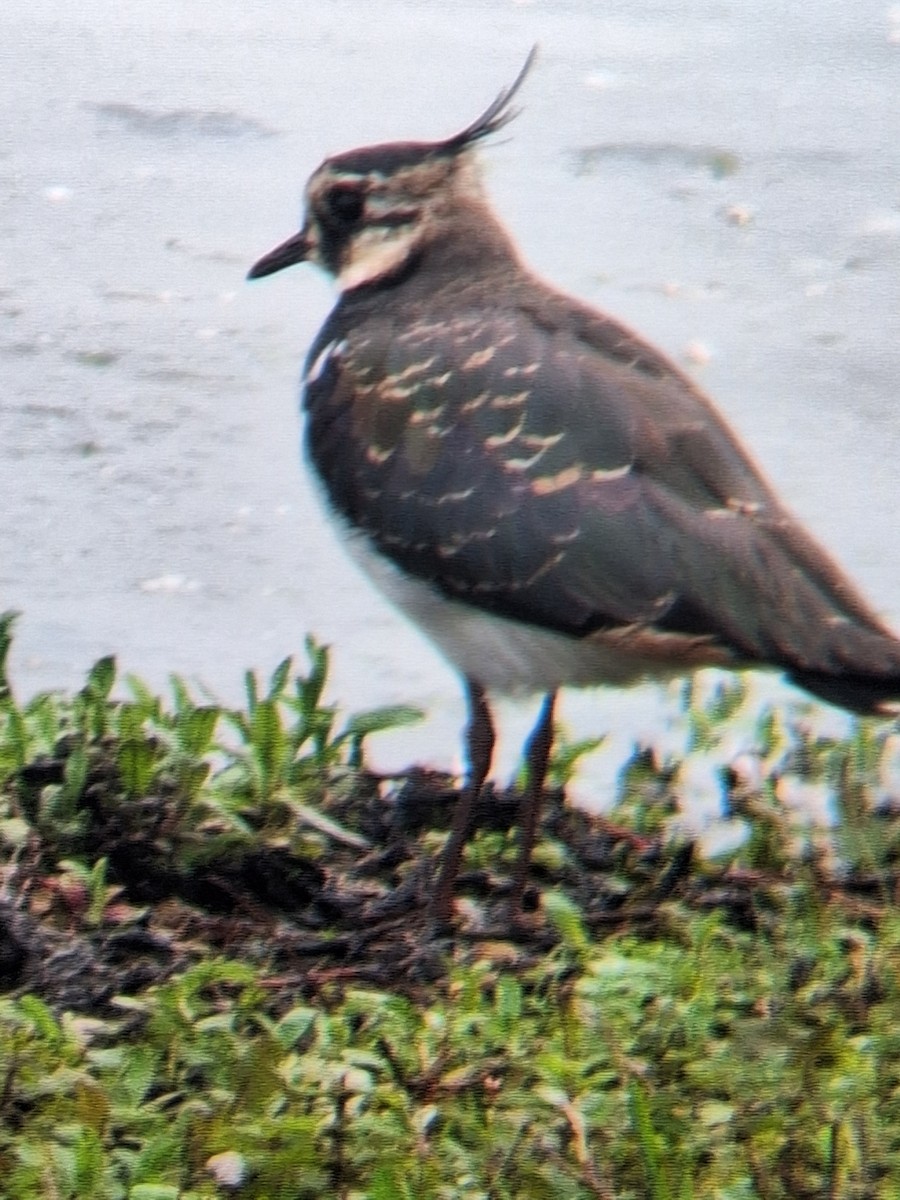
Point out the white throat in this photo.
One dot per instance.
(374, 253)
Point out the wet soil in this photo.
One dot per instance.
(357, 911)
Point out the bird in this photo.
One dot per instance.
(549, 497)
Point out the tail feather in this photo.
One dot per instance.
(764, 587)
(868, 695)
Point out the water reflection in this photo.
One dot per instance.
(153, 505)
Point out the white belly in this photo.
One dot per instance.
(502, 654)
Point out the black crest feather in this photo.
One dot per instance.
(497, 115)
(392, 156)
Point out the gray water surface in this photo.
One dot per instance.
(724, 177)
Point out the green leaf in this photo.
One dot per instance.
(14, 832)
(279, 679)
(75, 775)
(192, 776)
(389, 1183)
(650, 1143)
(565, 916)
(376, 720)
(251, 687)
(88, 1163)
(508, 999)
(136, 760)
(130, 719)
(14, 746)
(566, 757)
(97, 891)
(138, 1071)
(7, 622)
(267, 736)
(143, 696)
(41, 1017)
(194, 728)
(294, 1025)
(314, 684)
(101, 678)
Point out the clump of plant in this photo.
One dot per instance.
(117, 787)
(673, 1026)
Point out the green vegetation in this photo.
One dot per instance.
(216, 978)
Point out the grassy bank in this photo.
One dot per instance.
(216, 978)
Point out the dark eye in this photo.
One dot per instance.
(345, 204)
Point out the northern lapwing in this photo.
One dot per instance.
(548, 496)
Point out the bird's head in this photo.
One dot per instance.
(371, 212)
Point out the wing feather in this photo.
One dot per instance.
(547, 465)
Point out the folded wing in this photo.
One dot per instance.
(545, 464)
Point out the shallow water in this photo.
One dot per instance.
(723, 177)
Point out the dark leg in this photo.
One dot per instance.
(480, 749)
(537, 756)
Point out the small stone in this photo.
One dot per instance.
(229, 1169)
(697, 353)
(737, 214)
